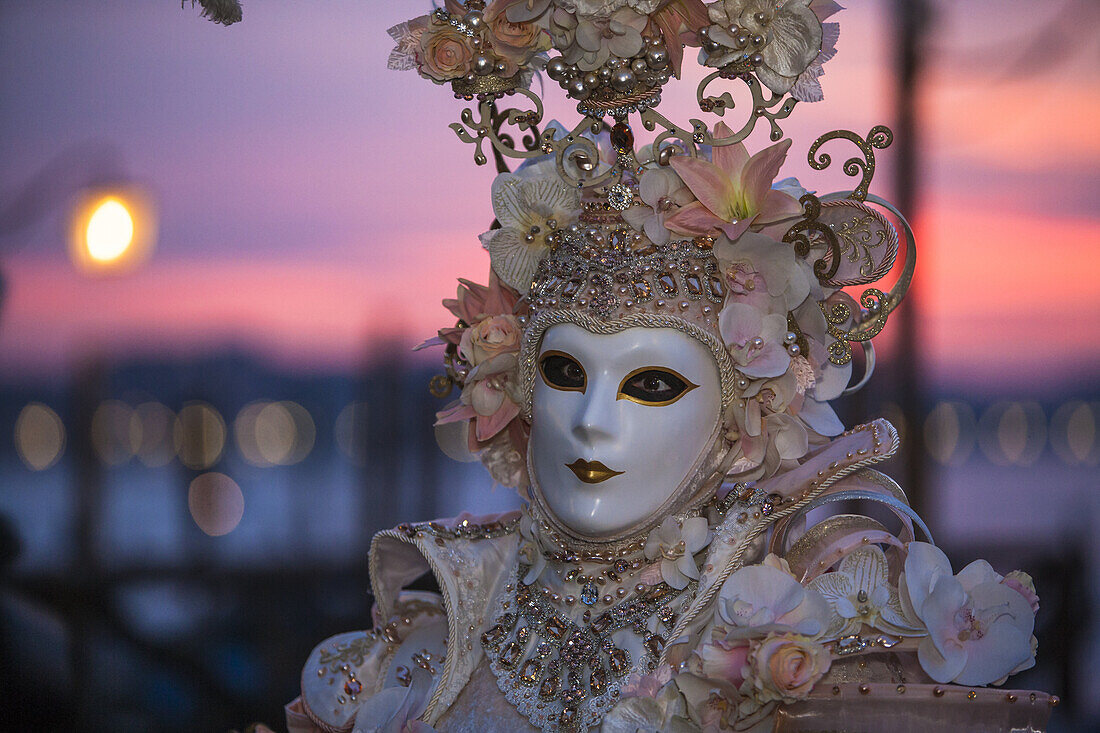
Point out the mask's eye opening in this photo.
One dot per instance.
(561, 371)
(654, 386)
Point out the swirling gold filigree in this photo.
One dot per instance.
(440, 385)
(490, 121)
(879, 137)
(577, 155)
(651, 120)
(836, 315)
(808, 231)
(530, 140)
(876, 304)
(700, 134)
(578, 158)
(858, 237)
(761, 105)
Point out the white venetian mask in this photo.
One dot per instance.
(618, 422)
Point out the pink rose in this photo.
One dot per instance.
(492, 336)
(445, 53)
(723, 661)
(787, 666)
(516, 42)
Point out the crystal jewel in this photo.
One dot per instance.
(622, 137)
(565, 666)
(619, 662)
(589, 593)
(620, 197)
(529, 675)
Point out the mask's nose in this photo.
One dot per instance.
(597, 417)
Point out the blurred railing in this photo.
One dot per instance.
(178, 536)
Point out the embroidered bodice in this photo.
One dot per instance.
(558, 636)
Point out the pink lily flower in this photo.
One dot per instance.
(734, 192)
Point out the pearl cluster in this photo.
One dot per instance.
(646, 71)
(744, 40)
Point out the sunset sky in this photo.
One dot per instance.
(314, 204)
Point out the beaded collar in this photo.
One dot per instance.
(564, 675)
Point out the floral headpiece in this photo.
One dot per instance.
(689, 227)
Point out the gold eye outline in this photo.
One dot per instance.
(688, 386)
(542, 373)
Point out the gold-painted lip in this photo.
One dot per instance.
(591, 472)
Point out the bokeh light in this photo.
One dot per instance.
(216, 503)
(351, 432)
(949, 432)
(1073, 433)
(111, 432)
(1012, 433)
(39, 436)
(274, 433)
(198, 435)
(151, 441)
(112, 229)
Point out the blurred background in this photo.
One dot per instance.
(199, 432)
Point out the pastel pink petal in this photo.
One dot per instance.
(485, 400)
(651, 574)
(730, 158)
(487, 427)
(735, 229)
(761, 169)
(473, 289)
(693, 219)
(706, 180)
(771, 361)
(453, 306)
(752, 417)
(636, 216)
(427, 343)
(656, 184)
(738, 323)
(455, 413)
(656, 230)
(496, 299)
(754, 447)
(940, 667)
(451, 335)
(777, 207)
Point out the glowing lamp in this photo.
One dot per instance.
(112, 230)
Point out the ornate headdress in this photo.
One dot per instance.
(687, 231)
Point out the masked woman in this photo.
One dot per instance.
(651, 365)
